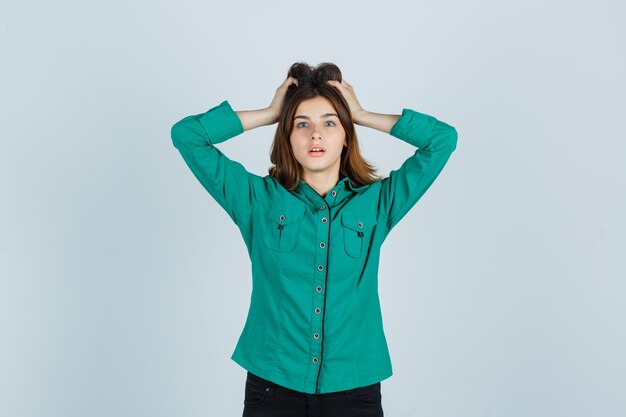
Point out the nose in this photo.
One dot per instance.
(316, 134)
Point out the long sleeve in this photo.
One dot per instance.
(227, 181)
(403, 187)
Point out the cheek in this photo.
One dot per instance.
(297, 140)
(296, 149)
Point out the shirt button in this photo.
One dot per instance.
(320, 267)
(334, 193)
(322, 244)
(324, 219)
(360, 224)
(282, 217)
(316, 335)
(319, 289)
(317, 310)
(314, 360)
(322, 208)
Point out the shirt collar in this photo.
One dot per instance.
(339, 193)
(348, 185)
(345, 184)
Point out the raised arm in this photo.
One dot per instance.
(404, 186)
(434, 139)
(227, 181)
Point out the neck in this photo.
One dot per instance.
(321, 182)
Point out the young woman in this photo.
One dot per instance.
(313, 342)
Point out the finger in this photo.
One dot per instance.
(334, 83)
(289, 81)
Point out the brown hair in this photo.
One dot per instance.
(311, 83)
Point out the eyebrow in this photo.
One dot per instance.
(307, 117)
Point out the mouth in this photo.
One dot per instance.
(316, 151)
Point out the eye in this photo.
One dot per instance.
(328, 121)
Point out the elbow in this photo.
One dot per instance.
(175, 134)
(179, 131)
(453, 138)
(446, 136)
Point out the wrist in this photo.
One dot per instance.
(359, 116)
(272, 115)
(251, 119)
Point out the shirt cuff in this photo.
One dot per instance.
(221, 123)
(414, 127)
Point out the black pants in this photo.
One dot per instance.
(267, 399)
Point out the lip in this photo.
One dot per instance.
(316, 154)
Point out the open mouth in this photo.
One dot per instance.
(316, 151)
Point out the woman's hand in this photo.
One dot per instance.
(251, 119)
(279, 97)
(347, 92)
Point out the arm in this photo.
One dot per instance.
(378, 121)
(227, 181)
(251, 119)
(435, 141)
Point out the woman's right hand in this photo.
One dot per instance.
(279, 97)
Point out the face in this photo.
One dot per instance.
(316, 125)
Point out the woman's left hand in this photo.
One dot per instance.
(347, 92)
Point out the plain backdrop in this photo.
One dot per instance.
(124, 286)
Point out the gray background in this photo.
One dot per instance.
(124, 286)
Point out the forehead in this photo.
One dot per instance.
(315, 107)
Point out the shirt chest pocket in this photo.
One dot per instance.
(283, 230)
(357, 232)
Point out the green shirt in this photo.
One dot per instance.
(314, 324)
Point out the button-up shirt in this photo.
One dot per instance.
(314, 323)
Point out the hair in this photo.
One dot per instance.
(312, 83)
